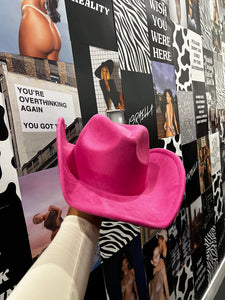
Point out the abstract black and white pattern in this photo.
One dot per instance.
(132, 35)
(218, 196)
(211, 252)
(181, 58)
(114, 236)
(205, 23)
(173, 144)
(184, 282)
(7, 166)
(186, 116)
(219, 78)
(214, 144)
(14, 263)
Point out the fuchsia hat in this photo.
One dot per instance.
(111, 172)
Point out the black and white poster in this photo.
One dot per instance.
(210, 89)
(140, 102)
(201, 112)
(192, 174)
(159, 31)
(132, 40)
(15, 255)
(196, 56)
(204, 163)
(99, 30)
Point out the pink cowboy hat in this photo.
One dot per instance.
(110, 172)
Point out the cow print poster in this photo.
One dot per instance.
(181, 58)
(15, 255)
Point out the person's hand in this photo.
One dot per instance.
(91, 218)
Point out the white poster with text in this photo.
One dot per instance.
(40, 109)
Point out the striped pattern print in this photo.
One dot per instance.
(218, 196)
(114, 236)
(132, 35)
(211, 252)
(205, 23)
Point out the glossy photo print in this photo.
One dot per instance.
(166, 99)
(43, 204)
(177, 10)
(204, 163)
(193, 20)
(158, 267)
(124, 273)
(107, 80)
(35, 30)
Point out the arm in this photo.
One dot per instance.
(135, 285)
(67, 261)
(165, 282)
(175, 121)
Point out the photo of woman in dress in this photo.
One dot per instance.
(108, 87)
(38, 34)
(52, 219)
(169, 113)
(128, 280)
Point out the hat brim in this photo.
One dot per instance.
(108, 64)
(155, 207)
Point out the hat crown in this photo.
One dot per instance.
(112, 157)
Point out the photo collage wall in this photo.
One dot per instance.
(157, 63)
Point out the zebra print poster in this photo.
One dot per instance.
(220, 92)
(114, 236)
(132, 35)
(220, 234)
(205, 24)
(184, 282)
(218, 196)
(211, 252)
